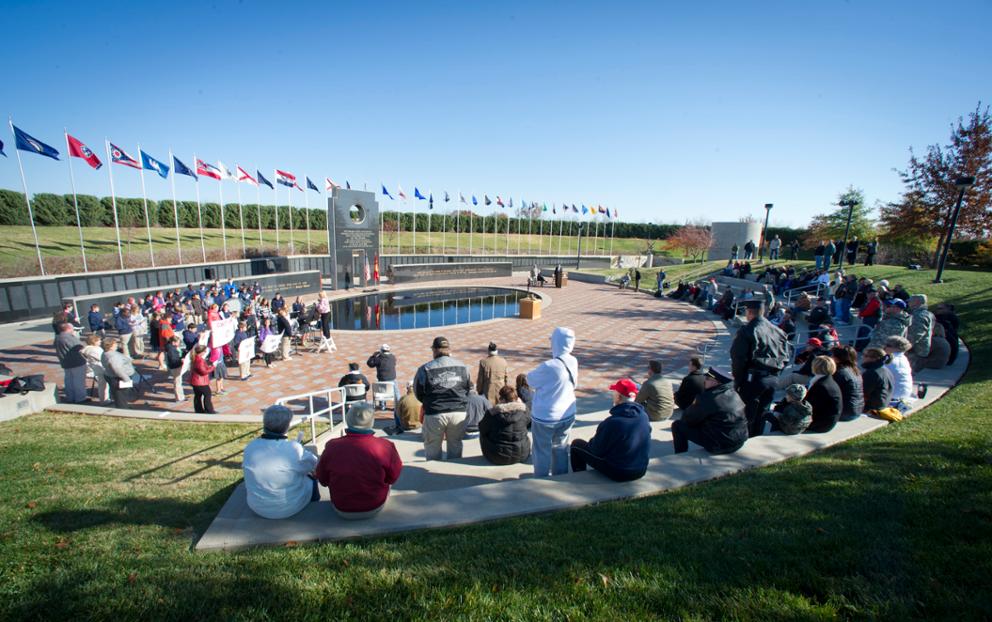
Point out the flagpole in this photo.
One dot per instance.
(398, 223)
(175, 207)
(595, 236)
(275, 199)
(444, 229)
(241, 213)
(430, 208)
(223, 225)
(199, 210)
(530, 230)
(113, 202)
(518, 235)
(258, 208)
(613, 228)
(507, 233)
(75, 201)
(471, 229)
(24, 181)
(458, 222)
(144, 198)
(306, 202)
(561, 223)
(414, 224)
(289, 200)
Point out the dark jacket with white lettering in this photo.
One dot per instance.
(442, 385)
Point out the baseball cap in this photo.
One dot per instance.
(896, 302)
(440, 342)
(625, 387)
(813, 341)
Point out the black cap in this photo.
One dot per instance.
(718, 375)
(440, 342)
(353, 366)
(754, 304)
(492, 346)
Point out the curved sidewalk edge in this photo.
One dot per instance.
(237, 527)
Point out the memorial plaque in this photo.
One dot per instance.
(408, 273)
(353, 236)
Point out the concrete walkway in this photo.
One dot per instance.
(469, 490)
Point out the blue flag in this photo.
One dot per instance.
(151, 164)
(263, 180)
(182, 169)
(347, 184)
(311, 186)
(386, 192)
(584, 210)
(474, 200)
(1, 149)
(430, 202)
(446, 197)
(488, 202)
(416, 194)
(26, 142)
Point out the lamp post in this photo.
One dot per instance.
(962, 184)
(578, 257)
(764, 234)
(849, 204)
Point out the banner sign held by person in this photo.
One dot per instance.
(271, 343)
(204, 338)
(246, 351)
(222, 331)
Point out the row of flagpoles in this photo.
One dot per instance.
(115, 155)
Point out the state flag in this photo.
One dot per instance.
(182, 169)
(207, 170)
(417, 195)
(446, 197)
(119, 156)
(584, 210)
(461, 197)
(615, 212)
(1, 149)
(26, 142)
(284, 178)
(385, 192)
(347, 184)
(151, 164)
(499, 201)
(225, 173)
(430, 201)
(400, 192)
(312, 186)
(78, 150)
(474, 200)
(487, 201)
(244, 176)
(263, 180)
(329, 184)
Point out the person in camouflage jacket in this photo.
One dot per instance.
(895, 322)
(920, 333)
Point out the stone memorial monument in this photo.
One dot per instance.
(352, 236)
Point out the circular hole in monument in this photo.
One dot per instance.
(357, 214)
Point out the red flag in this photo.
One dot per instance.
(78, 150)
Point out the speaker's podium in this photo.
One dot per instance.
(352, 236)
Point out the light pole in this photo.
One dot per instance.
(764, 234)
(962, 184)
(849, 204)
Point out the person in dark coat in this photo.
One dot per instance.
(524, 390)
(876, 379)
(759, 352)
(619, 449)
(354, 377)
(824, 396)
(716, 420)
(946, 317)
(848, 378)
(503, 433)
(692, 385)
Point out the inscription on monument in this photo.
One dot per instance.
(443, 271)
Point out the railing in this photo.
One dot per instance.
(315, 411)
(795, 291)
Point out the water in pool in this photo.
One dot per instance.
(424, 308)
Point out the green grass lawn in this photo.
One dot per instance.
(61, 251)
(99, 516)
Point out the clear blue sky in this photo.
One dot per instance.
(663, 110)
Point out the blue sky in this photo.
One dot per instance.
(663, 110)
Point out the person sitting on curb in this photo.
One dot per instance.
(476, 407)
(716, 420)
(278, 479)
(902, 373)
(359, 467)
(656, 394)
(876, 379)
(619, 449)
(692, 385)
(503, 431)
(824, 396)
(793, 414)
(406, 417)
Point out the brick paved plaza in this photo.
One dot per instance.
(616, 333)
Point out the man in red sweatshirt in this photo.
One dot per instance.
(359, 467)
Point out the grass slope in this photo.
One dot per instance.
(99, 516)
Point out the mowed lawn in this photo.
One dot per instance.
(99, 516)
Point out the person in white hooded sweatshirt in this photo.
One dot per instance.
(553, 409)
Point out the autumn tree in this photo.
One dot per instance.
(927, 202)
(831, 226)
(692, 240)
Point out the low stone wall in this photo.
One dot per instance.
(446, 271)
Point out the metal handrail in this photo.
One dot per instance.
(311, 415)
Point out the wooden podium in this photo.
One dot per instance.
(530, 308)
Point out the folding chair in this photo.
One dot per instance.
(383, 392)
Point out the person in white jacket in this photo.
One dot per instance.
(553, 408)
(277, 470)
(902, 373)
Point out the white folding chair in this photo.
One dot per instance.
(326, 343)
(383, 392)
(352, 391)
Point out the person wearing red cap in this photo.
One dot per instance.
(619, 449)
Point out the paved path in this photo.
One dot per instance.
(616, 334)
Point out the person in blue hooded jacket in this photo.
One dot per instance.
(619, 449)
